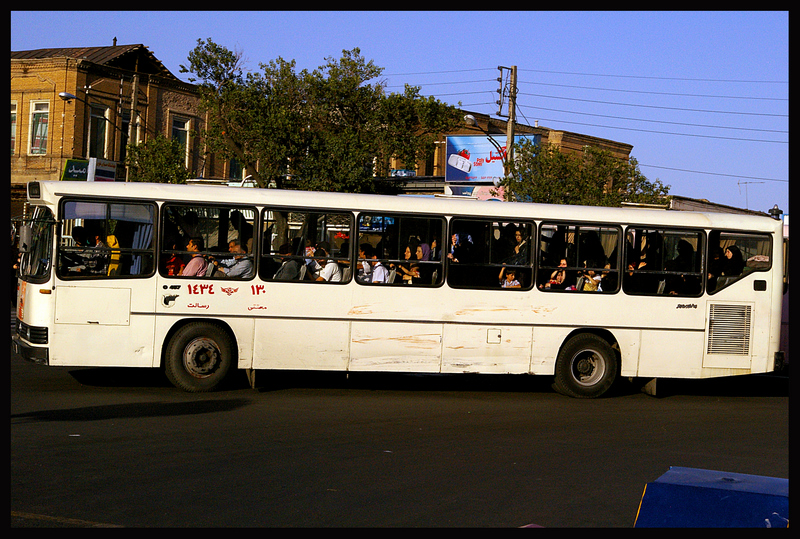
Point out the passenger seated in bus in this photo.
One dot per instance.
(174, 263)
(239, 266)
(329, 269)
(682, 284)
(459, 248)
(380, 274)
(114, 260)
(422, 273)
(197, 265)
(364, 274)
(520, 249)
(591, 278)
(510, 280)
(436, 252)
(75, 261)
(290, 267)
(714, 266)
(734, 263)
(404, 269)
(95, 257)
(558, 279)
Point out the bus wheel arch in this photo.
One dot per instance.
(588, 364)
(198, 355)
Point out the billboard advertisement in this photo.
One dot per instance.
(475, 158)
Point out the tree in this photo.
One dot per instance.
(158, 160)
(329, 129)
(543, 173)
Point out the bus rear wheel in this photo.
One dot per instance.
(586, 367)
(198, 357)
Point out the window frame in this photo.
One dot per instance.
(271, 259)
(121, 253)
(436, 274)
(751, 265)
(667, 280)
(33, 125)
(209, 254)
(614, 260)
(487, 275)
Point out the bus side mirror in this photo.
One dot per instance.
(25, 235)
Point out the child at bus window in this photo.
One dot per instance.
(197, 265)
(592, 279)
(510, 280)
(558, 279)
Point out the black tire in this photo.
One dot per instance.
(198, 357)
(586, 367)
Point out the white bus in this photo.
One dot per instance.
(200, 280)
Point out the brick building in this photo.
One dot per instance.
(121, 93)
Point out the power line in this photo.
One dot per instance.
(661, 121)
(645, 92)
(646, 77)
(657, 106)
(716, 173)
(663, 132)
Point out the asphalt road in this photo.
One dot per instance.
(121, 448)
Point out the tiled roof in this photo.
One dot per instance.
(121, 56)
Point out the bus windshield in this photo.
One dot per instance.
(36, 259)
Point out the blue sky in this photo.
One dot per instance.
(701, 96)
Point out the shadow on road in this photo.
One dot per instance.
(131, 410)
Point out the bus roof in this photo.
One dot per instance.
(50, 191)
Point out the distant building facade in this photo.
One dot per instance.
(121, 93)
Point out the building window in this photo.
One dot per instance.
(180, 132)
(13, 127)
(97, 132)
(40, 113)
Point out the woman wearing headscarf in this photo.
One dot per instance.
(733, 264)
(420, 273)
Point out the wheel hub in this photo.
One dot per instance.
(201, 357)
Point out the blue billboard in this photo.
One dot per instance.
(475, 158)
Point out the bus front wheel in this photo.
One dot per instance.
(198, 357)
(586, 367)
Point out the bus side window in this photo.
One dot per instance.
(663, 262)
(486, 254)
(578, 258)
(399, 250)
(211, 241)
(106, 240)
(733, 256)
(306, 246)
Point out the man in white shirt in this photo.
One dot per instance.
(380, 274)
(329, 270)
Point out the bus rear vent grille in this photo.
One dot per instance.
(729, 329)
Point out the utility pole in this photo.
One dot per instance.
(512, 103)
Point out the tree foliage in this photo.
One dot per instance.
(331, 129)
(543, 173)
(158, 160)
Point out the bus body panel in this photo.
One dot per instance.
(350, 326)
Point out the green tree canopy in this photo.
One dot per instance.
(331, 129)
(158, 160)
(543, 173)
